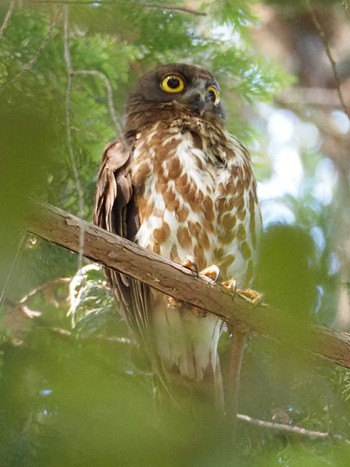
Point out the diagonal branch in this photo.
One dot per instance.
(7, 18)
(330, 58)
(109, 91)
(61, 228)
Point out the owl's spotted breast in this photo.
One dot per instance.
(190, 195)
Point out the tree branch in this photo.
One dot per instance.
(7, 18)
(330, 58)
(62, 228)
(109, 90)
(72, 160)
(158, 6)
(293, 429)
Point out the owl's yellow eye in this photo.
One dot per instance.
(214, 94)
(172, 83)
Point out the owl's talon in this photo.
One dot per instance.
(230, 286)
(190, 263)
(199, 312)
(175, 303)
(251, 296)
(212, 272)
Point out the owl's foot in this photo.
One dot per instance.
(251, 296)
(189, 263)
(230, 286)
(211, 272)
(173, 302)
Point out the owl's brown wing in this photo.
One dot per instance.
(114, 206)
(116, 211)
(114, 190)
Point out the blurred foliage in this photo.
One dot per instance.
(74, 389)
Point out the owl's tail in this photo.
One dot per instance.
(187, 344)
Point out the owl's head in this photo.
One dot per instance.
(191, 86)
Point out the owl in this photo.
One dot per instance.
(178, 184)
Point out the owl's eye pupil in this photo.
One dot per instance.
(173, 83)
(212, 95)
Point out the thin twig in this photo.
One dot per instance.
(110, 339)
(109, 90)
(330, 58)
(29, 65)
(131, 4)
(70, 73)
(296, 430)
(234, 371)
(12, 268)
(41, 287)
(7, 18)
(22, 305)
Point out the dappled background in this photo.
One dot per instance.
(74, 389)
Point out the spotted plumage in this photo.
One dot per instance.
(179, 184)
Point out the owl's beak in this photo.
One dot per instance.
(195, 102)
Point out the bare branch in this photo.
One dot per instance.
(131, 4)
(109, 90)
(330, 58)
(70, 73)
(7, 18)
(127, 257)
(296, 430)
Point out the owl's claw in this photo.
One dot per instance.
(212, 272)
(251, 296)
(230, 286)
(175, 303)
(190, 263)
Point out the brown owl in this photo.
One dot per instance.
(180, 185)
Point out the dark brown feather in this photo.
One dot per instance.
(113, 203)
